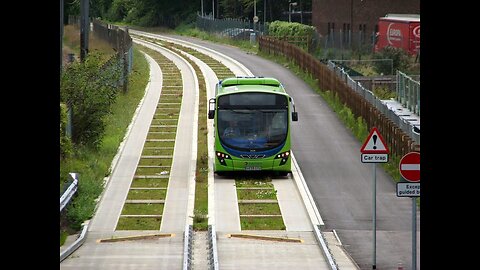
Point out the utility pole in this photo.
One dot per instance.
(84, 29)
(264, 13)
(351, 24)
(289, 11)
(61, 35)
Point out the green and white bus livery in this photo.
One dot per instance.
(252, 120)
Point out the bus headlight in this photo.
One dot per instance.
(284, 156)
(222, 156)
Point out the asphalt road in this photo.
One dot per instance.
(329, 157)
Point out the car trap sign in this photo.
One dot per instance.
(374, 149)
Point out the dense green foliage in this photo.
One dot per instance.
(400, 60)
(302, 35)
(149, 13)
(281, 29)
(90, 87)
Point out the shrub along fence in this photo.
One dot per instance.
(88, 89)
(398, 141)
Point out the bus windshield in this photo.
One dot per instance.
(252, 129)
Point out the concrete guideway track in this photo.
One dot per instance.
(165, 252)
(294, 211)
(181, 189)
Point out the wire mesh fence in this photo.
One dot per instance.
(232, 28)
(121, 41)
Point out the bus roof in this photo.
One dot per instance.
(245, 84)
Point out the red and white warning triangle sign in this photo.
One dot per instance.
(374, 144)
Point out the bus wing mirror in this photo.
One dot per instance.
(211, 108)
(294, 113)
(294, 116)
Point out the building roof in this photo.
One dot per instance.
(403, 17)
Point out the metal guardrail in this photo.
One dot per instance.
(212, 247)
(71, 190)
(403, 124)
(187, 247)
(80, 240)
(408, 92)
(326, 250)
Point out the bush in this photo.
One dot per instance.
(382, 92)
(399, 58)
(90, 87)
(281, 29)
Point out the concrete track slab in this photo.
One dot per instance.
(240, 253)
(226, 205)
(161, 253)
(293, 210)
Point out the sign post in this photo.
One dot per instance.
(410, 170)
(374, 150)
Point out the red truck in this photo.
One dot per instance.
(399, 30)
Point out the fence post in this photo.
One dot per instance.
(68, 127)
(125, 60)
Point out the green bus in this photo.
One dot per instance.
(252, 118)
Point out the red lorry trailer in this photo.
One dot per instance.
(399, 30)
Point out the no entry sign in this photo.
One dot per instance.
(410, 167)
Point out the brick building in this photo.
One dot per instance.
(328, 15)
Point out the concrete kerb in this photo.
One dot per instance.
(263, 237)
(136, 237)
(307, 197)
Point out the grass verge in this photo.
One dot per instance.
(142, 209)
(262, 223)
(138, 223)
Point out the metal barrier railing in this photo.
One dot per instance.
(404, 125)
(408, 92)
(80, 240)
(69, 192)
(212, 247)
(187, 247)
(326, 250)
